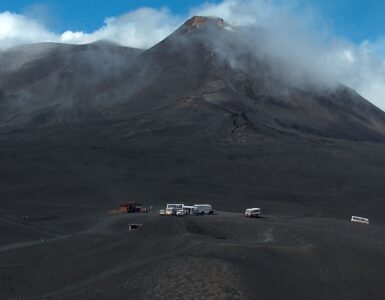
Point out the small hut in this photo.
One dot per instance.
(133, 207)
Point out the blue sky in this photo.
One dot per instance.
(356, 20)
(88, 15)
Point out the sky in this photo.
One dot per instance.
(357, 20)
(346, 36)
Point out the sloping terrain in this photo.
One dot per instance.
(45, 84)
(223, 256)
(85, 128)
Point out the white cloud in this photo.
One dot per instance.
(17, 29)
(141, 28)
(295, 37)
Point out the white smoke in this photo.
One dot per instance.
(295, 37)
(298, 40)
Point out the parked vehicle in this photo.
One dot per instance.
(252, 212)
(179, 209)
(189, 209)
(203, 209)
(181, 212)
(360, 220)
(176, 206)
(171, 209)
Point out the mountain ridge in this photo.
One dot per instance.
(116, 82)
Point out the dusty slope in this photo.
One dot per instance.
(223, 256)
(44, 84)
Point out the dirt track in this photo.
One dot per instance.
(221, 256)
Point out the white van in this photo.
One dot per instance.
(203, 209)
(252, 212)
(359, 220)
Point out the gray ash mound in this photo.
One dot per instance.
(199, 117)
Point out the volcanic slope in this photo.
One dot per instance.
(42, 84)
(101, 121)
(84, 128)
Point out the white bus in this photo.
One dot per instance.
(252, 212)
(189, 209)
(176, 206)
(171, 209)
(203, 209)
(360, 220)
